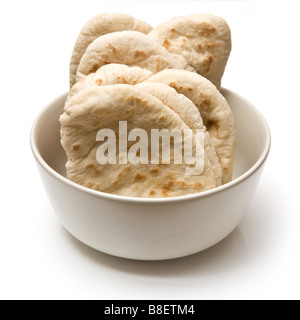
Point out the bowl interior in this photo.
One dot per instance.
(252, 134)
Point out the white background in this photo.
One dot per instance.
(39, 260)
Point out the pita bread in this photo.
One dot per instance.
(189, 114)
(126, 47)
(121, 74)
(203, 40)
(214, 109)
(111, 74)
(98, 26)
(103, 107)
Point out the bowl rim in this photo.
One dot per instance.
(106, 196)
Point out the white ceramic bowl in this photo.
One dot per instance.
(152, 229)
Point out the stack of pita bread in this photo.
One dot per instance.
(163, 78)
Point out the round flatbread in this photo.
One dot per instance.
(214, 109)
(203, 40)
(100, 25)
(103, 107)
(111, 74)
(189, 114)
(127, 47)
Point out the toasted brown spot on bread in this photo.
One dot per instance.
(171, 183)
(179, 88)
(208, 61)
(210, 45)
(120, 174)
(161, 118)
(94, 67)
(206, 29)
(199, 46)
(122, 79)
(210, 124)
(97, 173)
(183, 42)
(98, 82)
(172, 33)
(90, 166)
(152, 193)
(138, 100)
(198, 186)
(76, 147)
(169, 186)
(166, 43)
(170, 175)
(173, 85)
(161, 64)
(183, 184)
(206, 102)
(90, 185)
(165, 193)
(113, 48)
(143, 103)
(154, 170)
(139, 54)
(139, 177)
(213, 126)
(105, 57)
